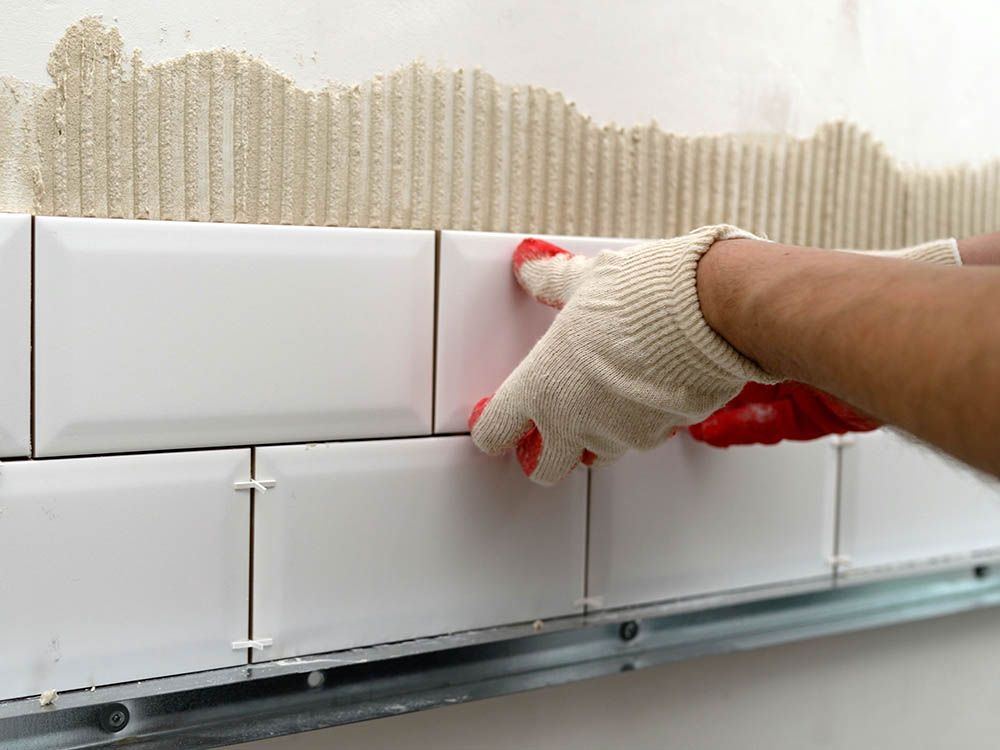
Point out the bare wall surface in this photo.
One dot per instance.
(917, 74)
(925, 686)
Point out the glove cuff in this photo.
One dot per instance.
(942, 252)
(692, 325)
(666, 322)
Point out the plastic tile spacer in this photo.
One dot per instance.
(257, 644)
(261, 485)
(839, 561)
(842, 440)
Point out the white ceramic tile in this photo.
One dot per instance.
(905, 506)
(157, 335)
(121, 568)
(15, 335)
(687, 519)
(486, 322)
(370, 542)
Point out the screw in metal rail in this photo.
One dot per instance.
(114, 717)
(628, 630)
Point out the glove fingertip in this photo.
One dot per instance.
(554, 460)
(496, 426)
(709, 433)
(477, 411)
(698, 432)
(547, 282)
(529, 450)
(533, 248)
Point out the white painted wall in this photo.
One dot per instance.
(918, 74)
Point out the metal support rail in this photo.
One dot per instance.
(240, 704)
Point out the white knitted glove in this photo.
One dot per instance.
(940, 252)
(628, 360)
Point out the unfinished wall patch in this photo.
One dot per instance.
(221, 136)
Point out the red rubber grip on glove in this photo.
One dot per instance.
(768, 414)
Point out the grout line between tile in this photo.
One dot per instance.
(837, 492)
(244, 446)
(31, 344)
(586, 546)
(434, 345)
(253, 513)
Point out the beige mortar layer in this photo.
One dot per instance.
(221, 136)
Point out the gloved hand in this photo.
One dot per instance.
(628, 359)
(768, 414)
(633, 358)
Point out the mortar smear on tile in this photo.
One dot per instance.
(221, 136)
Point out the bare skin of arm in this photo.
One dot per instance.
(983, 250)
(914, 345)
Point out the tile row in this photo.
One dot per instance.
(125, 567)
(165, 335)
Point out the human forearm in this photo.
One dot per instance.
(916, 346)
(983, 250)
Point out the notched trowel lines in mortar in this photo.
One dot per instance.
(221, 136)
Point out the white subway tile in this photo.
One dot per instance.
(121, 568)
(906, 507)
(689, 520)
(368, 542)
(486, 322)
(154, 335)
(15, 335)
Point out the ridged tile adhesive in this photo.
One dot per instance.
(221, 136)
